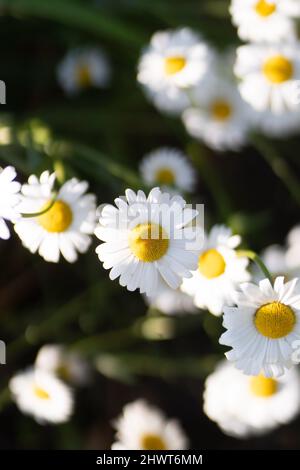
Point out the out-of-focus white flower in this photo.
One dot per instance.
(263, 327)
(279, 126)
(66, 365)
(274, 257)
(83, 68)
(284, 260)
(219, 116)
(66, 227)
(147, 240)
(244, 406)
(269, 76)
(9, 199)
(42, 395)
(220, 270)
(144, 427)
(168, 168)
(265, 20)
(293, 249)
(171, 302)
(173, 62)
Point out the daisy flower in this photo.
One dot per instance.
(265, 20)
(244, 406)
(171, 302)
(279, 126)
(168, 168)
(218, 115)
(144, 427)
(263, 327)
(293, 249)
(9, 198)
(147, 241)
(269, 76)
(66, 227)
(66, 365)
(274, 256)
(220, 270)
(173, 62)
(42, 395)
(83, 68)
(284, 260)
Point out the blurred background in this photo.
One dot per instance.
(101, 136)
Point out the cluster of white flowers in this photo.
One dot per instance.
(182, 74)
(269, 66)
(154, 243)
(43, 390)
(223, 97)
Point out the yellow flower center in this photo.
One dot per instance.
(152, 442)
(174, 64)
(274, 320)
(278, 69)
(264, 8)
(262, 386)
(165, 176)
(83, 76)
(41, 393)
(211, 264)
(56, 219)
(221, 110)
(148, 242)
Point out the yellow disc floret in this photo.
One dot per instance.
(148, 242)
(165, 176)
(278, 69)
(262, 386)
(83, 76)
(221, 110)
(211, 264)
(174, 64)
(152, 442)
(41, 393)
(58, 218)
(265, 8)
(274, 320)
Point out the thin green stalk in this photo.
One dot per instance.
(156, 366)
(106, 340)
(208, 173)
(256, 259)
(107, 164)
(78, 15)
(62, 316)
(279, 166)
(30, 215)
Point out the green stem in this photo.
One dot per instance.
(161, 366)
(279, 166)
(78, 15)
(256, 259)
(30, 215)
(214, 182)
(104, 341)
(111, 167)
